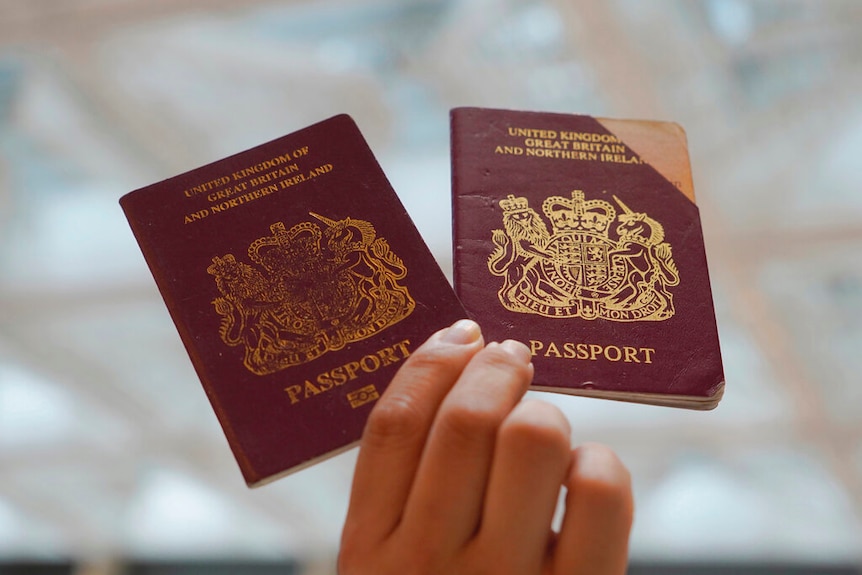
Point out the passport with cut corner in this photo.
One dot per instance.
(581, 237)
(298, 284)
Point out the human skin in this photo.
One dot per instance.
(457, 475)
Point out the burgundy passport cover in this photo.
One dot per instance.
(298, 284)
(565, 238)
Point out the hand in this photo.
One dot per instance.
(457, 476)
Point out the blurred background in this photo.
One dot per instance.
(111, 460)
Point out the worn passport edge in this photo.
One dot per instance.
(696, 402)
(668, 156)
(675, 134)
(248, 472)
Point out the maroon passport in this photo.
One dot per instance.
(580, 237)
(298, 284)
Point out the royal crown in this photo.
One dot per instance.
(223, 266)
(277, 250)
(513, 204)
(578, 214)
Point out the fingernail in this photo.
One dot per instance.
(462, 332)
(517, 349)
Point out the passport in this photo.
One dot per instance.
(580, 236)
(298, 285)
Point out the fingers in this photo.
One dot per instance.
(530, 463)
(456, 474)
(397, 429)
(593, 539)
(445, 506)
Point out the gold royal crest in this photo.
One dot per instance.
(581, 269)
(314, 290)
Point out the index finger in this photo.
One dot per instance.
(397, 429)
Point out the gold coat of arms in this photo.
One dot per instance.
(584, 266)
(313, 290)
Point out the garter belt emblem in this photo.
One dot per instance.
(311, 291)
(593, 264)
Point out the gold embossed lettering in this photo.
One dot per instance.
(387, 356)
(193, 217)
(535, 346)
(511, 150)
(338, 375)
(293, 392)
(324, 380)
(552, 350)
(591, 351)
(617, 353)
(369, 363)
(310, 389)
(351, 369)
(402, 347)
(648, 351)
